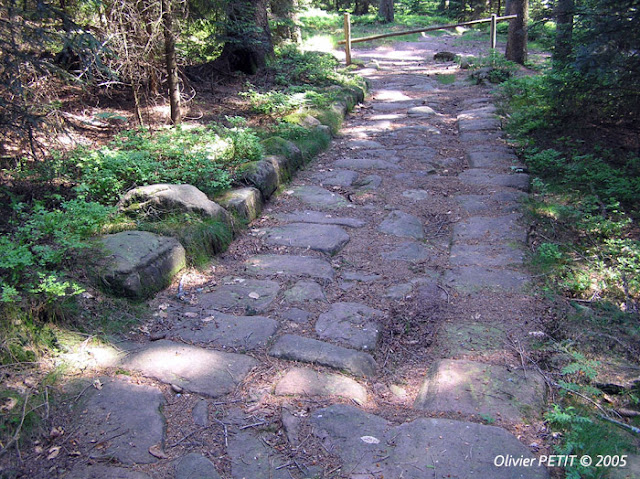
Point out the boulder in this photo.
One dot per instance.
(263, 175)
(444, 57)
(163, 199)
(138, 264)
(279, 146)
(246, 203)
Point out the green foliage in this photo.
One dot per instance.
(294, 67)
(41, 242)
(492, 67)
(583, 435)
(308, 140)
(203, 157)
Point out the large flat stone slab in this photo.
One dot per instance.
(410, 251)
(124, 419)
(486, 229)
(307, 382)
(369, 182)
(350, 323)
(251, 295)
(476, 278)
(503, 201)
(462, 337)
(195, 466)
(370, 447)
(227, 331)
(288, 265)
(503, 255)
(336, 178)
(321, 218)
(304, 291)
(416, 195)
(137, 264)
(482, 177)
(194, 369)
(399, 223)
(328, 239)
(473, 388)
(494, 158)
(365, 164)
(421, 112)
(319, 197)
(307, 350)
(481, 112)
(467, 125)
(355, 144)
(85, 471)
(251, 458)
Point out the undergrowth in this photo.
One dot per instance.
(586, 258)
(61, 204)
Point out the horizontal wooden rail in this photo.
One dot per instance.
(429, 29)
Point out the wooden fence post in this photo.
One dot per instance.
(347, 37)
(494, 33)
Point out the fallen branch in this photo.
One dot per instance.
(633, 429)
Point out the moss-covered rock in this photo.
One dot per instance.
(261, 174)
(245, 203)
(279, 146)
(165, 199)
(137, 264)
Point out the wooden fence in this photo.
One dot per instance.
(348, 40)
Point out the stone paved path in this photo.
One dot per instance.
(299, 358)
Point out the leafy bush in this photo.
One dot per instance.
(41, 243)
(294, 67)
(203, 157)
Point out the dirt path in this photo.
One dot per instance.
(368, 325)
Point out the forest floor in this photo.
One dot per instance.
(377, 320)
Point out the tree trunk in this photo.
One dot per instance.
(386, 10)
(285, 13)
(517, 37)
(171, 62)
(248, 38)
(362, 7)
(564, 31)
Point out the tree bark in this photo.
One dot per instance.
(285, 13)
(248, 38)
(362, 7)
(517, 37)
(386, 10)
(564, 31)
(171, 62)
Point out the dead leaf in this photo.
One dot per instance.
(208, 318)
(156, 451)
(97, 384)
(56, 432)
(163, 306)
(191, 315)
(254, 295)
(53, 452)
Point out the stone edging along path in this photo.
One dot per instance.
(367, 325)
(139, 264)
